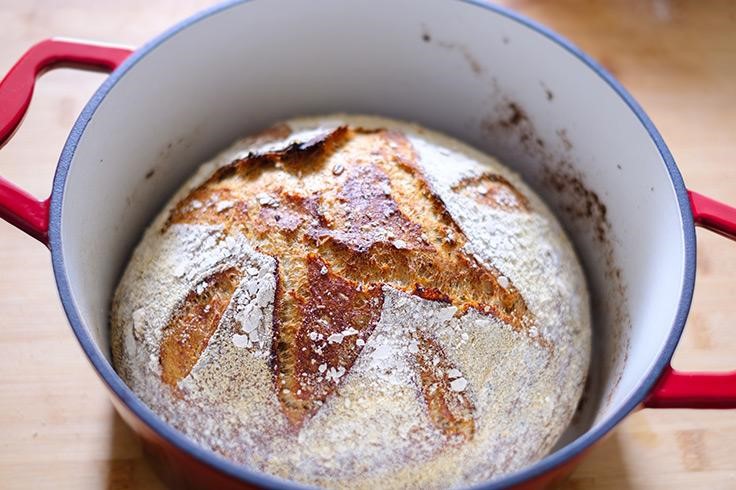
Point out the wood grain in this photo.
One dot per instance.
(57, 427)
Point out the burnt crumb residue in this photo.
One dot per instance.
(566, 143)
(511, 129)
(472, 61)
(580, 202)
(585, 208)
(150, 173)
(517, 116)
(547, 92)
(510, 119)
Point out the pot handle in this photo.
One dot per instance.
(677, 389)
(17, 206)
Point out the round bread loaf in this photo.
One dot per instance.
(356, 302)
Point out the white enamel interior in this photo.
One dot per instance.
(246, 67)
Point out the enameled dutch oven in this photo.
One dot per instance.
(478, 72)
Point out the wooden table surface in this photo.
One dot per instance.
(57, 427)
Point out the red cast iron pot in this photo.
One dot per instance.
(455, 66)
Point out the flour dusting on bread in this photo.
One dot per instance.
(356, 302)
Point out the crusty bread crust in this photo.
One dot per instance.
(351, 301)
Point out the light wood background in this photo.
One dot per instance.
(57, 427)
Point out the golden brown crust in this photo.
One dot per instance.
(365, 214)
(352, 204)
(297, 158)
(337, 317)
(431, 294)
(195, 321)
(438, 395)
(292, 212)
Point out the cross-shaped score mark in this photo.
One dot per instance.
(344, 215)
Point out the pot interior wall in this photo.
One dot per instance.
(453, 66)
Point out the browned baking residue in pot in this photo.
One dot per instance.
(470, 58)
(511, 119)
(585, 211)
(580, 202)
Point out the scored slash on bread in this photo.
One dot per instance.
(191, 327)
(493, 190)
(450, 410)
(344, 215)
(337, 317)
